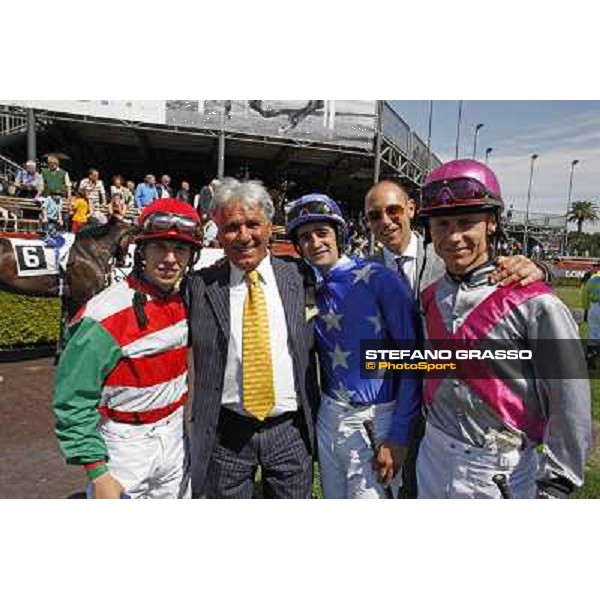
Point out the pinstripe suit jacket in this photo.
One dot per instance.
(207, 297)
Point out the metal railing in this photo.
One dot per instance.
(395, 128)
(11, 124)
(8, 168)
(23, 215)
(19, 214)
(539, 220)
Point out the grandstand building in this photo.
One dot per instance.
(334, 146)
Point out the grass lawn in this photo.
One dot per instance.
(26, 321)
(571, 297)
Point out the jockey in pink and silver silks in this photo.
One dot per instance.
(526, 420)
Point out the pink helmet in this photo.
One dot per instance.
(460, 186)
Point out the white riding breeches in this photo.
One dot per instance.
(345, 455)
(449, 468)
(150, 461)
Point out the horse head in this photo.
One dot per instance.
(92, 254)
(127, 235)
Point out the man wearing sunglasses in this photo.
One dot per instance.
(357, 301)
(255, 386)
(390, 211)
(121, 382)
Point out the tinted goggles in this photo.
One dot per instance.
(392, 210)
(452, 190)
(159, 222)
(310, 208)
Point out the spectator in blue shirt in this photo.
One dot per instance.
(29, 183)
(146, 192)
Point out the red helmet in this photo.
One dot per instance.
(170, 219)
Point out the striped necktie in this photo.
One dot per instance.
(257, 365)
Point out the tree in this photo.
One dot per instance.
(583, 211)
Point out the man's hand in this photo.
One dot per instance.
(389, 460)
(106, 487)
(516, 269)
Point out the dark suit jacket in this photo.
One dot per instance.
(207, 295)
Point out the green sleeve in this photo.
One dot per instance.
(91, 354)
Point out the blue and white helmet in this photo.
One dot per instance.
(314, 208)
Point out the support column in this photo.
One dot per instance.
(221, 156)
(221, 148)
(378, 135)
(31, 135)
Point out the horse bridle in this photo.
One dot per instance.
(111, 251)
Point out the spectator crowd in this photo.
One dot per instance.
(68, 205)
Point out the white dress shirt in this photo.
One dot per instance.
(410, 262)
(283, 368)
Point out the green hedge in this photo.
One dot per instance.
(26, 321)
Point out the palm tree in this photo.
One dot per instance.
(583, 211)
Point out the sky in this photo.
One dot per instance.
(558, 131)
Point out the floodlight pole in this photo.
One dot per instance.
(477, 128)
(526, 232)
(460, 105)
(573, 163)
(429, 136)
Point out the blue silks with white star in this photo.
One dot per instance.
(365, 300)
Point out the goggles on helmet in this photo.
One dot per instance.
(310, 208)
(448, 191)
(161, 222)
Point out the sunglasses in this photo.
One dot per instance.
(452, 190)
(159, 222)
(310, 208)
(393, 210)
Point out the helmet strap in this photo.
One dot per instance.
(341, 244)
(138, 260)
(139, 302)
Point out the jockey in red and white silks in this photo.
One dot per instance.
(122, 380)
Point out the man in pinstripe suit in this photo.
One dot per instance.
(229, 442)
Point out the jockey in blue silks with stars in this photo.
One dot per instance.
(356, 300)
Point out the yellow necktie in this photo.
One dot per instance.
(257, 365)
